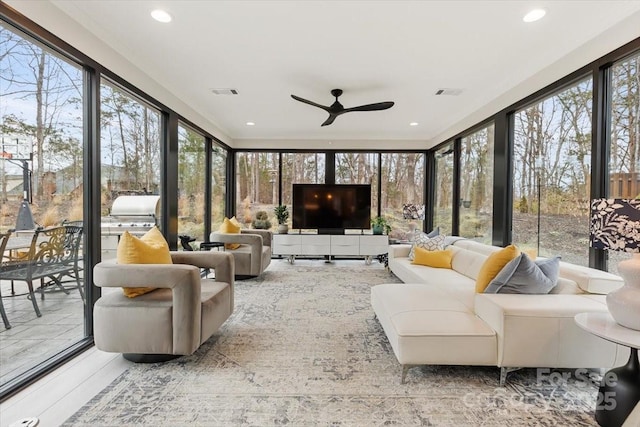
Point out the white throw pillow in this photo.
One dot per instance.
(423, 241)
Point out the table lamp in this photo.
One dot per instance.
(615, 225)
(412, 211)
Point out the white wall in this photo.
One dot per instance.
(53, 20)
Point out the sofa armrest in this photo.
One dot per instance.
(253, 240)
(265, 234)
(399, 251)
(110, 274)
(539, 330)
(221, 262)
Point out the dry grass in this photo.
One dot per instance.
(50, 217)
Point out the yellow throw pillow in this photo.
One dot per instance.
(152, 248)
(231, 226)
(493, 265)
(437, 259)
(235, 222)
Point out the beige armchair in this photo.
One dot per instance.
(174, 319)
(254, 254)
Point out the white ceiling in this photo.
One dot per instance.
(401, 51)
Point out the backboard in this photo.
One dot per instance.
(14, 147)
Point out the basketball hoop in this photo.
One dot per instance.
(15, 147)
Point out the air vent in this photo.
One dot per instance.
(225, 91)
(449, 91)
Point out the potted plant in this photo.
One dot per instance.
(282, 215)
(380, 225)
(261, 221)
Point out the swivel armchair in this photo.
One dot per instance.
(173, 320)
(253, 255)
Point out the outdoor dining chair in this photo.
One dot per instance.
(54, 253)
(4, 238)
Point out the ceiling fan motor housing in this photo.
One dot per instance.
(337, 109)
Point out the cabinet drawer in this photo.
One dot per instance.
(287, 239)
(285, 244)
(315, 245)
(374, 250)
(286, 249)
(374, 245)
(345, 245)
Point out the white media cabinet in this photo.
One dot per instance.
(292, 245)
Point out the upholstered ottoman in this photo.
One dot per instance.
(427, 326)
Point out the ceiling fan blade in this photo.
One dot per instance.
(371, 107)
(330, 120)
(306, 101)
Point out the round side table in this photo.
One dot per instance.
(619, 390)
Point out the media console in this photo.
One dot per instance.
(292, 245)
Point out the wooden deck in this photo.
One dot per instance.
(33, 339)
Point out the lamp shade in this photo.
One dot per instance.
(411, 211)
(615, 224)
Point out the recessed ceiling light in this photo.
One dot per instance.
(534, 15)
(251, 124)
(413, 124)
(161, 15)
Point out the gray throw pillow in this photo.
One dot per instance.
(423, 241)
(524, 276)
(435, 232)
(416, 233)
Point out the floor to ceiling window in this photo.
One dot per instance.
(359, 168)
(300, 168)
(624, 153)
(218, 184)
(256, 188)
(476, 185)
(41, 133)
(402, 183)
(443, 204)
(130, 158)
(191, 168)
(551, 172)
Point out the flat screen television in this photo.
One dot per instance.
(332, 208)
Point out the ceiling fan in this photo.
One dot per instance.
(337, 109)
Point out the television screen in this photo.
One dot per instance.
(332, 206)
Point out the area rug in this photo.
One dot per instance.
(303, 349)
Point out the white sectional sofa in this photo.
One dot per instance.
(437, 318)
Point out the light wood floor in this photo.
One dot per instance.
(60, 394)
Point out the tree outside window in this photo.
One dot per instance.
(551, 175)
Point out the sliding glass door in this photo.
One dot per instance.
(41, 185)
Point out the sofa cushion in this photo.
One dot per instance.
(493, 265)
(151, 248)
(426, 326)
(472, 245)
(413, 273)
(467, 262)
(591, 280)
(435, 259)
(566, 286)
(423, 240)
(522, 275)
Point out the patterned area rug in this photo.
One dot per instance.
(303, 349)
